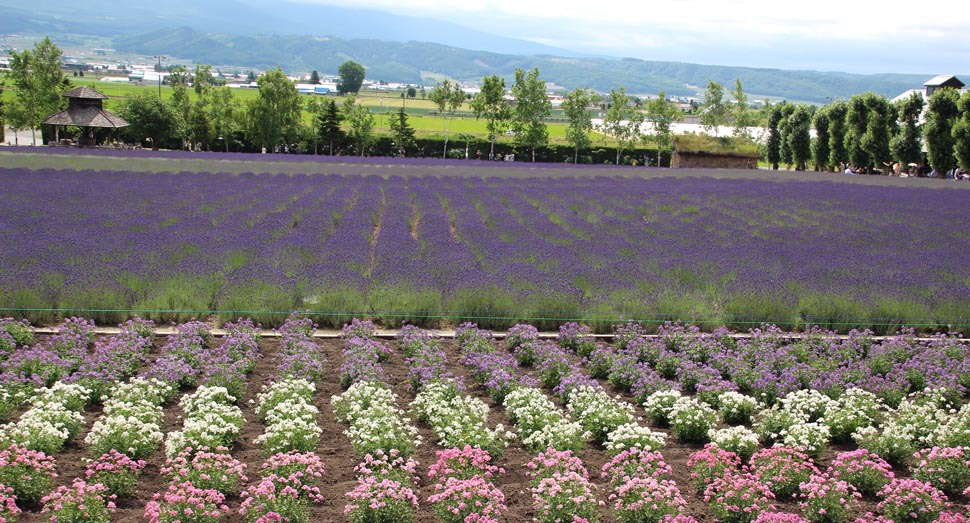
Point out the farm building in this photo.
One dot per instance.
(694, 150)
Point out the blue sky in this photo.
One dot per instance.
(828, 35)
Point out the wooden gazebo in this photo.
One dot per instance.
(84, 110)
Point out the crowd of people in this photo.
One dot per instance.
(912, 170)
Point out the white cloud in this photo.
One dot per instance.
(703, 27)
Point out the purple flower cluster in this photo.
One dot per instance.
(300, 356)
(498, 372)
(362, 359)
(427, 362)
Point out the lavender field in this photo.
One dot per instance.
(497, 246)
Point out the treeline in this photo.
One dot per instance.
(867, 133)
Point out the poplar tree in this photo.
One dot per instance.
(532, 107)
(580, 122)
(490, 104)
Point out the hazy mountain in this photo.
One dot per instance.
(241, 18)
(412, 61)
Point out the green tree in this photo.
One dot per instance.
(856, 120)
(149, 119)
(202, 80)
(532, 107)
(39, 83)
(880, 125)
(574, 106)
(838, 154)
(773, 144)
(941, 115)
(743, 117)
(961, 132)
(715, 112)
(448, 98)
(315, 77)
(784, 132)
(663, 114)
(178, 79)
(274, 115)
(361, 123)
(799, 137)
(906, 145)
(223, 114)
(327, 122)
(402, 131)
(351, 77)
(622, 121)
(490, 104)
(820, 144)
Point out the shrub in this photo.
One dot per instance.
(738, 498)
(828, 500)
(116, 471)
(946, 468)
(911, 501)
(782, 469)
(80, 502)
(864, 470)
(710, 463)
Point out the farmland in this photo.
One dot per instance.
(615, 422)
(179, 235)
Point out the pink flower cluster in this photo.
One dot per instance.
(828, 500)
(116, 471)
(8, 505)
(862, 469)
(464, 488)
(636, 463)
(783, 468)
(285, 490)
(911, 501)
(710, 463)
(80, 501)
(738, 497)
(207, 469)
(384, 490)
(29, 473)
(946, 468)
(561, 488)
(185, 503)
(641, 488)
(779, 517)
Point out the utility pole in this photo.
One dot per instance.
(159, 74)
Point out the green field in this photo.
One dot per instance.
(420, 111)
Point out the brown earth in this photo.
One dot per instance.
(340, 459)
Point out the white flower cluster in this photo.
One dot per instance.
(290, 416)
(132, 419)
(541, 425)
(211, 419)
(809, 404)
(52, 420)
(812, 436)
(659, 404)
(854, 409)
(736, 408)
(457, 419)
(691, 420)
(375, 421)
(10, 401)
(922, 420)
(739, 440)
(597, 412)
(633, 435)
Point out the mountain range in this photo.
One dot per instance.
(302, 37)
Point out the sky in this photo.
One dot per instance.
(826, 35)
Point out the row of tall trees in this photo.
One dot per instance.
(869, 132)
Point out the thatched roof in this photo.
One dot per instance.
(85, 92)
(86, 117)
